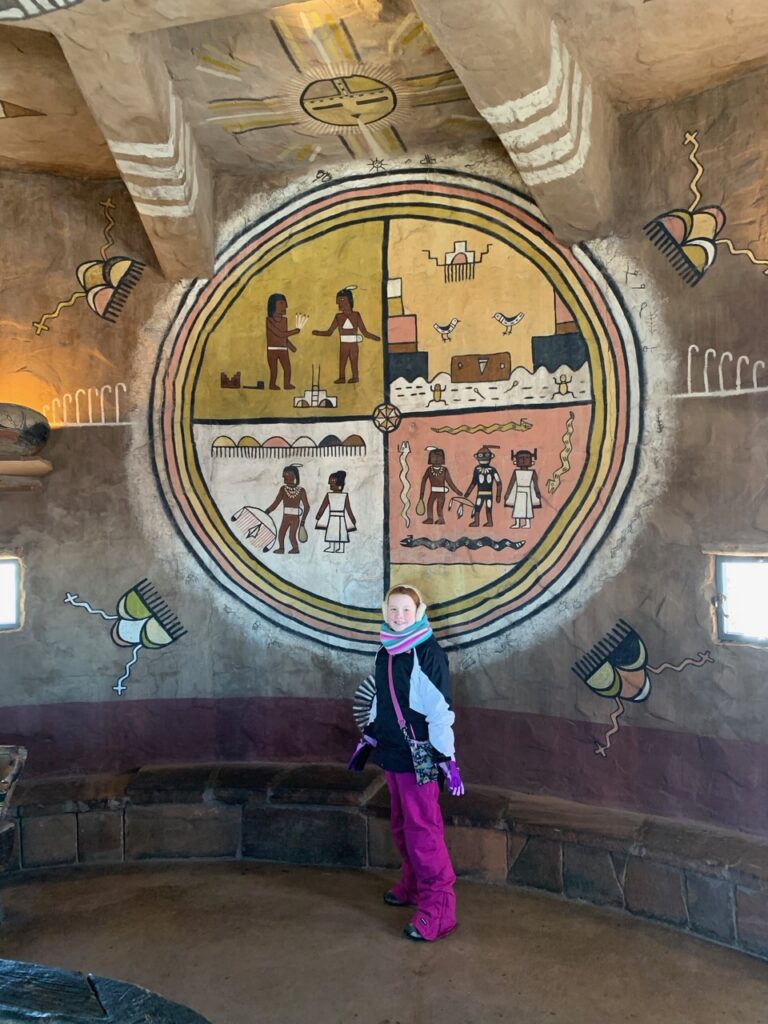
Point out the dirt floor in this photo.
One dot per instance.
(263, 944)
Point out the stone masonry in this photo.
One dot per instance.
(706, 881)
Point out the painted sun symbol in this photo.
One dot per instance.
(345, 99)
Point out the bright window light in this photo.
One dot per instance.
(742, 606)
(10, 593)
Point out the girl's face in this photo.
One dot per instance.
(401, 611)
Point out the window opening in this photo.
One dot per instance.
(10, 593)
(742, 598)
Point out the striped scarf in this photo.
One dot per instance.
(406, 639)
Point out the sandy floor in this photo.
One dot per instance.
(259, 944)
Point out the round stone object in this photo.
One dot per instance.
(23, 432)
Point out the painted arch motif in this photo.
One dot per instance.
(462, 415)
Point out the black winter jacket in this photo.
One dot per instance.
(422, 686)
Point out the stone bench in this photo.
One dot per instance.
(708, 881)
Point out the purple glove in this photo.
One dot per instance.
(451, 771)
(361, 754)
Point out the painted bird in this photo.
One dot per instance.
(508, 322)
(446, 330)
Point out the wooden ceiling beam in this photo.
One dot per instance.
(528, 83)
(131, 94)
(123, 16)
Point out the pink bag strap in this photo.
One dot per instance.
(395, 702)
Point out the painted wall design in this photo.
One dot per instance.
(142, 621)
(77, 368)
(341, 83)
(88, 407)
(617, 667)
(8, 109)
(105, 283)
(398, 377)
(689, 237)
(20, 10)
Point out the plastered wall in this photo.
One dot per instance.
(236, 651)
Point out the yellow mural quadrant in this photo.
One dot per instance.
(505, 281)
(309, 276)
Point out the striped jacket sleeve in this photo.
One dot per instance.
(372, 718)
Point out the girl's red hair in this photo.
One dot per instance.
(407, 591)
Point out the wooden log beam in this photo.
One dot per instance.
(129, 90)
(529, 84)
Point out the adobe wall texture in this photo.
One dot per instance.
(270, 655)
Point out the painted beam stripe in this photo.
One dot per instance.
(525, 107)
(556, 120)
(161, 193)
(570, 166)
(176, 200)
(177, 210)
(178, 170)
(549, 152)
(24, 9)
(154, 150)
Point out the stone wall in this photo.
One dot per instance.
(707, 881)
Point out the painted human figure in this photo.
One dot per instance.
(438, 478)
(352, 330)
(335, 515)
(523, 494)
(486, 479)
(278, 344)
(293, 498)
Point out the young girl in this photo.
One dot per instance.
(412, 686)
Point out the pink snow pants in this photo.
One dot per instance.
(427, 874)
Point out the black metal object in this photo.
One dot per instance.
(32, 994)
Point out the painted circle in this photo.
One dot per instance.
(525, 586)
(348, 101)
(387, 417)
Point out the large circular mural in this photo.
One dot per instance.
(400, 377)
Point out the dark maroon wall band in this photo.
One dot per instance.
(649, 770)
